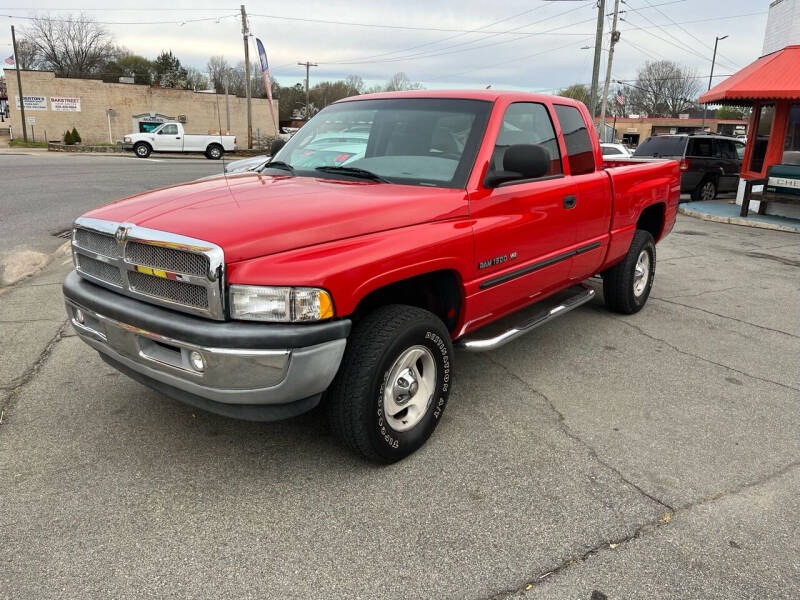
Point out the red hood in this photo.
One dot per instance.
(252, 215)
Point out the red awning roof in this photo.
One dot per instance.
(774, 76)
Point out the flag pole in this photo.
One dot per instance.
(262, 55)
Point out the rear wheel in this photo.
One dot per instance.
(627, 285)
(393, 385)
(142, 150)
(214, 152)
(707, 190)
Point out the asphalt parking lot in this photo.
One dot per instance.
(601, 456)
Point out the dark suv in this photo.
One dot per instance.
(709, 163)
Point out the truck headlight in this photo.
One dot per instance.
(279, 304)
(126, 139)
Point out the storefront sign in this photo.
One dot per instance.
(65, 104)
(33, 102)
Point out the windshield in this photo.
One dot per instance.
(416, 141)
(661, 146)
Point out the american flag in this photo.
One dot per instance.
(620, 98)
(9, 60)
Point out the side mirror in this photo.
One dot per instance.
(276, 146)
(520, 161)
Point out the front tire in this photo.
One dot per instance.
(627, 285)
(142, 150)
(393, 385)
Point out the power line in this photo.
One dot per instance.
(383, 26)
(92, 21)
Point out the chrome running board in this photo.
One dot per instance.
(481, 345)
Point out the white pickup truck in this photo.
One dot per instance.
(171, 137)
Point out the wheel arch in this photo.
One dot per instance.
(440, 292)
(652, 219)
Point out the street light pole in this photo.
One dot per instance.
(614, 40)
(710, 77)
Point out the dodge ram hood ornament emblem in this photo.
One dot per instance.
(122, 234)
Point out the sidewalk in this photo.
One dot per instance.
(726, 211)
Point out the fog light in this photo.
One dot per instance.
(197, 362)
(79, 316)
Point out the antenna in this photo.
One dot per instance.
(219, 124)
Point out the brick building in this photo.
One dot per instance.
(104, 112)
(633, 131)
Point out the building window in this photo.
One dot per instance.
(766, 115)
(792, 142)
(576, 138)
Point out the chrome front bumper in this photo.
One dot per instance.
(259, 380)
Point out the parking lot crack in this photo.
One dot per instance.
(639, 531)
(18, 383)
(703, 358)
(699, 293)
(721, 316)
(565, 428)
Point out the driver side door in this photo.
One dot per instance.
(523, 228)
(169, 138)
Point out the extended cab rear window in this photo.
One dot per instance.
(661, 146)
(576, 138)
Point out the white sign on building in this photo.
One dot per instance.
(783, 26)
(33, 102)
(65, 104)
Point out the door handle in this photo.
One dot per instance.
(177, 137)
(570, 201)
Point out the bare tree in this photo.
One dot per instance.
(196, 80)
(664, 89)
(218, 70)
(400, 82)
(71, 46)
(27, 56)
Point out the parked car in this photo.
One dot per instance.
(253, 163)
(351, 278)
(709, 163)
(615, 151)
(171, 137)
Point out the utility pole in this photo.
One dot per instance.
(710, 77)
(308, 66)
(19, 86)
(598, 47)
(246, 35)
(604, 103)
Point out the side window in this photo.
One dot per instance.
(740, 150)
(576, 139)
(609, 150)
(725, 149)
(527, 123)
(700, 148)
(169, 130)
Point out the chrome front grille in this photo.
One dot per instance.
(99, 269)
(168, 289)
(96, 242)
(182, 273)
(168, 259)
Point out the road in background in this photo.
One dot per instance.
(42, 193)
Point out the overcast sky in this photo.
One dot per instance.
(444, 43)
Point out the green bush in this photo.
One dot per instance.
(68, 139)
(76, 137)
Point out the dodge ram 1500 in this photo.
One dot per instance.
(389, 229)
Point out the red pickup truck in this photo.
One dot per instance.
(388, 230)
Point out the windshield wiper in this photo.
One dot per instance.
(278, 164)
(353, 172)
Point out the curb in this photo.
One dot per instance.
(736, 220)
